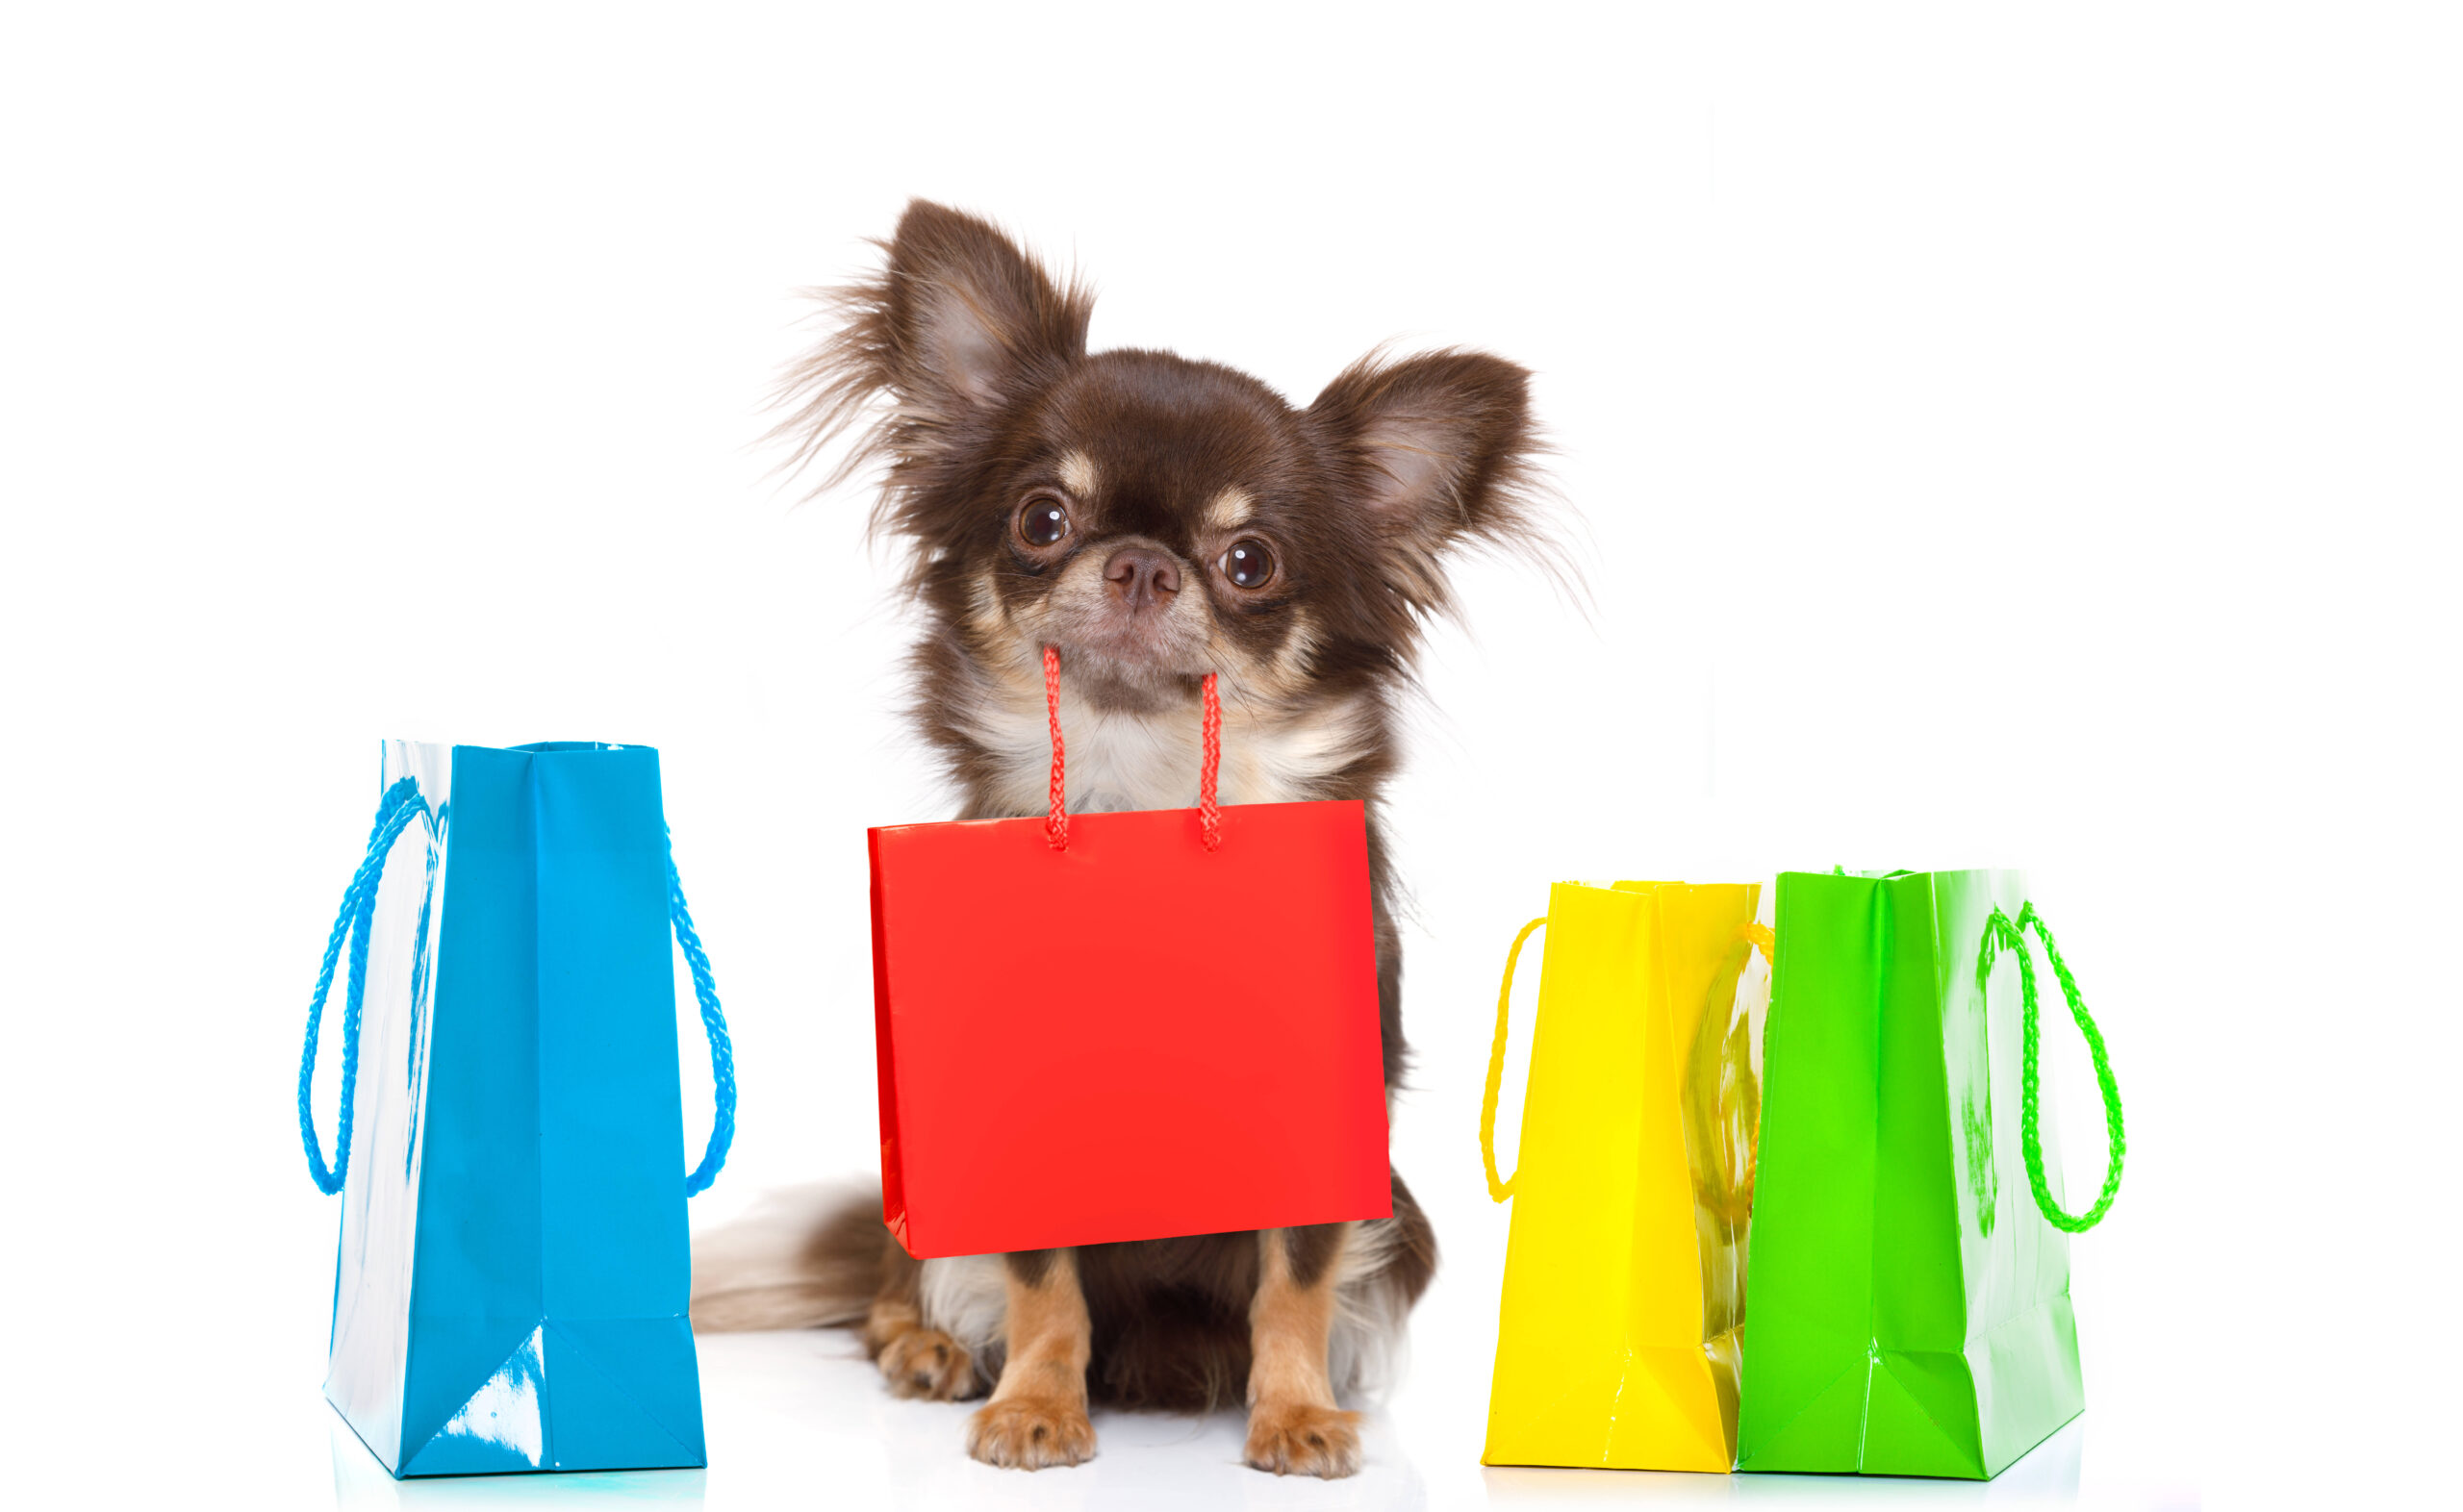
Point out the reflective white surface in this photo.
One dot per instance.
(800, 1419)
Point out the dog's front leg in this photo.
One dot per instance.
(1294, 1426)
(1037, 1414)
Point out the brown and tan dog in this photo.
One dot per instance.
(1156, 518)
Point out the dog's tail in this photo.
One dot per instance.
(804, 1257)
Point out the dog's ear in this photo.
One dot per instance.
(960, 322)
(1433, 449)
(969, 319)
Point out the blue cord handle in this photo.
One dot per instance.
(400, 805)
(715, 1023)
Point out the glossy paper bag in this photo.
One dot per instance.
(1619, 1330)
(512, 1285)
(1911, 1305)
(1110, 1027)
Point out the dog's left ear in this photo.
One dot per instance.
(1432, 448)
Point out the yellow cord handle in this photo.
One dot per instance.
(1758, 934)
(1500, 1190)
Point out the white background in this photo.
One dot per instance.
(1985, 440)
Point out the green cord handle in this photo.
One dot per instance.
(2002, 932)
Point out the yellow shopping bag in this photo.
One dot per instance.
(1618, 1334)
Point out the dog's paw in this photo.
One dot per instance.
(1031, 1433)
(929, 1364)
(1299, 1440)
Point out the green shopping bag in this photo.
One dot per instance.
(1910, 1309)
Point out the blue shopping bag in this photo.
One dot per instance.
(514, 1272)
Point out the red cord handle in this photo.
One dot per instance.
(1210, 813)
(1058, 826)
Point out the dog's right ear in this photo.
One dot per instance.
(971, 318)
(957, 324)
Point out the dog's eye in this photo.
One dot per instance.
(1042, 521)
(1249, 564)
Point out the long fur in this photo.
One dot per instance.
(804, 1257)
(815, 1255)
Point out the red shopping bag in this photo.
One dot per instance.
(1110, 1027)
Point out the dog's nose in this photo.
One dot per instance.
(1142, 578)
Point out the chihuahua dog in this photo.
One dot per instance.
(1155, 519)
